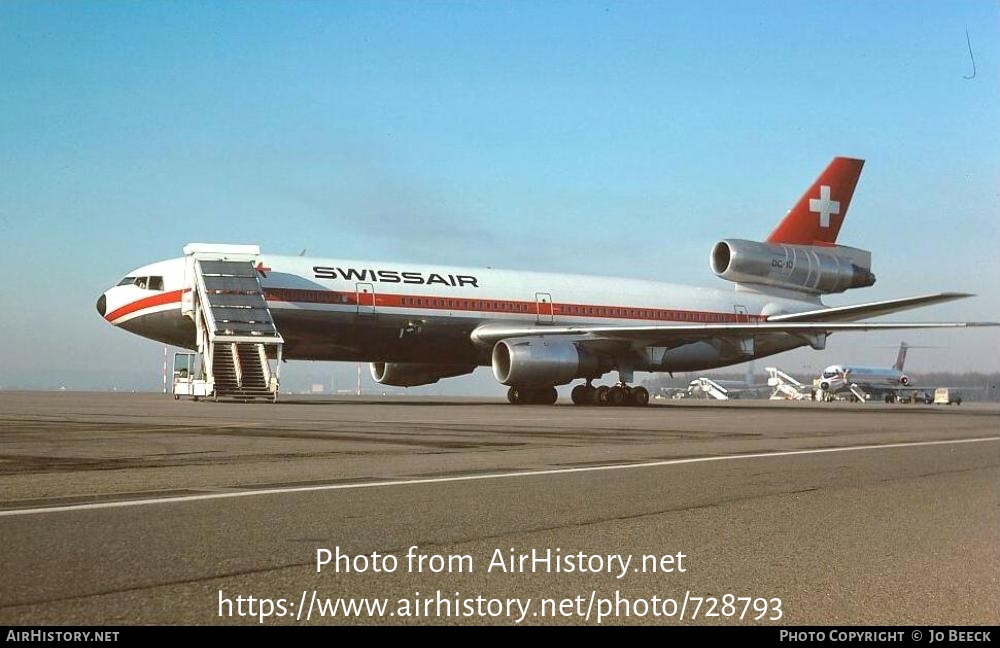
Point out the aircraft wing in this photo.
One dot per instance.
(871, 309)
(675, 334)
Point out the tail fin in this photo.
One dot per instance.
(900, 357)
(817, 216)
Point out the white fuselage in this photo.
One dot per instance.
(332, 309)
(837, 377)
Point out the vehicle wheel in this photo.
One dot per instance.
(579, 395)
(177, 397)
(547, 396)
(601, 395)
(640, 396)
(513, 396)
(616, 396)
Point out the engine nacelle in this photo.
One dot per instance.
(537, 362)
(807, 268)
(411, 374)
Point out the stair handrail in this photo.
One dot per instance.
(237, 365)
(265, 366)
(203, 301)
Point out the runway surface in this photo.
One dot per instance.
(127, 508)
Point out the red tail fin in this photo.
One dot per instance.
(900, 357)
(817, 216)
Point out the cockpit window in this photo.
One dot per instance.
(146, 283)
(829, 374)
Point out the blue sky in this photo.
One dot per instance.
(611, 137)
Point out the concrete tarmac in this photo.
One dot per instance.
(134, 508)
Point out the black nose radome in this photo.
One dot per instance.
(102, 305)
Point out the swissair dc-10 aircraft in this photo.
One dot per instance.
(417, 324)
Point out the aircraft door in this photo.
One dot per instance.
(741, 314)
(543, 308)
(365, 299)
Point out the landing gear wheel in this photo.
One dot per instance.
(580, 395)
(176, 397)
(547, 396)
(514, 396)
(601, 395)
(617, 395)
(640, 396)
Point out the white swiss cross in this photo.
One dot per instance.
(824, 206)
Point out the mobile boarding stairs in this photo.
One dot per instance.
(236, 335)
(786, 387)
(709, 388)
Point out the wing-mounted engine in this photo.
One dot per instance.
(411, 374)
(527, 362)
(813, 269)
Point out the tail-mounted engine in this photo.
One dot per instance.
(805, 268)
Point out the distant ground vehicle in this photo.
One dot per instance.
(946, 396)
(911, 397)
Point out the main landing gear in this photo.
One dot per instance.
(620, 394)
(541, 396)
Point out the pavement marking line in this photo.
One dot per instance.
(181, 428)
(463, 478)
(166, 427)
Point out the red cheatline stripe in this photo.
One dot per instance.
(145, 302)
(386, 300)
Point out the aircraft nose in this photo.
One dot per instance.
(102, 305)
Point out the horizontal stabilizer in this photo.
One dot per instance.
(871, 309)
